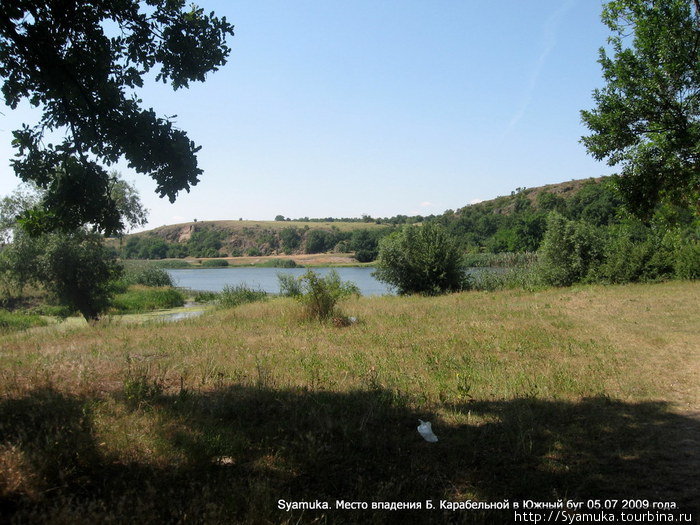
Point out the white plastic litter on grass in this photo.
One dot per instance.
(425, 429)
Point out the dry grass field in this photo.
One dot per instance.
(581, 393)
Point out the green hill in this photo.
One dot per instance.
(509, 223)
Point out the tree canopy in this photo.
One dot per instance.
(647, 117)
(81, 63)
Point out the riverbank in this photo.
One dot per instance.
(581, 393)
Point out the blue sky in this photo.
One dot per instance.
(330, 108)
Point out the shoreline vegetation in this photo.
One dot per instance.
(582, 392)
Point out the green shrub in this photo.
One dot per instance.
(78, 271)
(569, 251)
(214, 263)
(421, 259)
(687, 260)
(278, 263)
(625, 257)
(290, 286)
(153, 276)
(171, 263)
(233, 296)
(60, 311)
(321, 294)
(141, 299)
(14, 321)
(365, 255)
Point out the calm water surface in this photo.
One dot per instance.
(215, 279)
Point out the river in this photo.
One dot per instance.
(214, 279)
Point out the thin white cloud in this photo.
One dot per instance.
(426, 204)
(476, 201)
(549, 41)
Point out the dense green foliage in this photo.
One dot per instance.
(290, 286)
(232, 296)
(143, 299)
(207, 241)
(15, 321)
(277, 263)
(203, 242)
(421, 259)
(147, 276)
(290, 240)
(517, 223)
(576, 251)
(77, 269)
(215, 263)
(569, 250)
(647, 117)
(80, 64)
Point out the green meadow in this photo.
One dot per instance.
(580, 393)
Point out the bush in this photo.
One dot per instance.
(421, 259)
(632, 253)
(78, 270)
(687, 261)
(290, 286)
(141, 299)
(569, 251)
(233, 296)
(278, 263)
(320, 295)
(319, 241)
(365, 256)
(152, 276)
(215, 263)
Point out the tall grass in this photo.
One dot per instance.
(15, 321)
(232, 296)
(489, 280)
(215, 263)
(278, 263)
(142, 299)
(499, 260)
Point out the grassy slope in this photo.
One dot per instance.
(237, 226)
(579, 393)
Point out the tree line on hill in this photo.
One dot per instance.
(515, 223)
(209, 241)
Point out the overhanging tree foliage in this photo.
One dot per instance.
(81, 63)
(647, 118)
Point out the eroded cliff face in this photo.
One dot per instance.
(185, 233)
